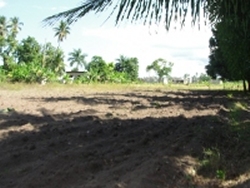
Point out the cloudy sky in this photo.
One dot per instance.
(187, 48)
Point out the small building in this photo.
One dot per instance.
(165, 80)
(216, 82)
(176, 80)
(75, 74)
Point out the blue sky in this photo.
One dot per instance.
(187, 48)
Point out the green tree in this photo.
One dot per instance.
(237, 54)
(100, 71)
(204, 78)
(120, 63)
(130, 66)
(97, 63)
(62, 31)
(28, 51)
(48, 51)
(3, 26)
(96, 67)
(58, 65)
(78, 58)
(230, 57)
(217, 66)
(47, 56)
(53, 59)
(8, 41)
(3, 41)
(15, 26)
(161, 67)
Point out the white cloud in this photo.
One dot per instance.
(2, 3)
(55, 9)
(60, 8)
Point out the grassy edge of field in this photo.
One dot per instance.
(234, 86)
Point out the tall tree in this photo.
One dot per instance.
(161, 67)
(232, 41)
(58, 65)
(98, 69)
(217, 66)
(15, 26)
(120, 63)
(29, 51)
(230, 57)
(97, 63)
(128, 65)
(3, 26)
(62, 31)
(53, 59)
(8, 41)
(78, 58)
(3, 34)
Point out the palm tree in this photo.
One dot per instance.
(121, 63)
(78, 58)
(62, 31)
(15, 26)
(156, 11)
(3, 26)
(58, 65)
(3, 33)
(6, 43)
(128, 65)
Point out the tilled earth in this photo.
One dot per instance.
(132, 138)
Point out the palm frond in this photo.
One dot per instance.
(76, 13)
(148, 11)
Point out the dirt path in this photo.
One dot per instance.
(121, 139)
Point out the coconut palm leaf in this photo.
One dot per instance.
(157, 12)
(78, 58)
(147, 11)
(15, 25)
(62, 31)
(3, 26)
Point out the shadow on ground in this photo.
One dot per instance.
(79, 150)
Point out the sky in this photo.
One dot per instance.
(186, 47)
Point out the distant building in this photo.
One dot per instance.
(165, 80)
(216, 82)
(151, 79)
(75, 74)
(176, 80)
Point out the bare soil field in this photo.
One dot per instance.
(84, 137)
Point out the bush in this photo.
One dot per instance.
(2, 74)
(29, 73)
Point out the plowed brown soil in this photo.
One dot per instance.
(133, 138)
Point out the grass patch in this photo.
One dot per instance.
(212, 164)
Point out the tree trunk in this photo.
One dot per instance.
(248, 85)
(5, 62)
(244, 86)
(160, 79)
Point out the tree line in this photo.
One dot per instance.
(28, 61)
